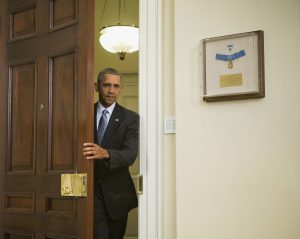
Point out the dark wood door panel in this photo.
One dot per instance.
(63, 13)
(23, 22)
(63, 102)
(22, 115)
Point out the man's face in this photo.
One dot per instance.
(109, 89)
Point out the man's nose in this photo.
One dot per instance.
(111, 88)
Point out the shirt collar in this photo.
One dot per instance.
(109, 109)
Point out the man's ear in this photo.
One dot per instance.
(96, 86)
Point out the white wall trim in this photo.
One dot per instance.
(150, 101)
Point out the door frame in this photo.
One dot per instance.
(151, 112)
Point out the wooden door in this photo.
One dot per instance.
(46, 113)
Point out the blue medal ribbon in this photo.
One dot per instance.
(232, 57)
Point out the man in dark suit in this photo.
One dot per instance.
(113, 153)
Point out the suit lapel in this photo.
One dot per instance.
(95, 123)
(115, 119)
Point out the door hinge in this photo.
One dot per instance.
(139, 184)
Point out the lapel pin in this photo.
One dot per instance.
(117, 120)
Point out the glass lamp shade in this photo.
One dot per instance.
(120, 39)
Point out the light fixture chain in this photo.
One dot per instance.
(102, 13)
(124, 11)
(119, 17)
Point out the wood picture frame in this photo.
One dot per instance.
(233, 67)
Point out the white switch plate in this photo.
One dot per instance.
(170, 125)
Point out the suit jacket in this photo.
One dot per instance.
(121, 139)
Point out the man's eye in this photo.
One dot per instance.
(116, 86)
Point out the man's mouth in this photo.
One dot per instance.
(110, 97)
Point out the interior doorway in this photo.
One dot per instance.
(108, 12)
(149, 67)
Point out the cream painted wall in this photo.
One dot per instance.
(168, 154)
(238, 162)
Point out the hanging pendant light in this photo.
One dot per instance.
(119, 38)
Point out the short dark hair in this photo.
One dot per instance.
(105, 71)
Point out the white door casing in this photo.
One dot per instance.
(150, 110)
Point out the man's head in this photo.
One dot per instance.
(109, 86)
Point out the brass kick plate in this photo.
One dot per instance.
(74, 185)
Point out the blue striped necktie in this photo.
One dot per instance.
(102, 126)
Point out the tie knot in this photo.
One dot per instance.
(104, 112)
